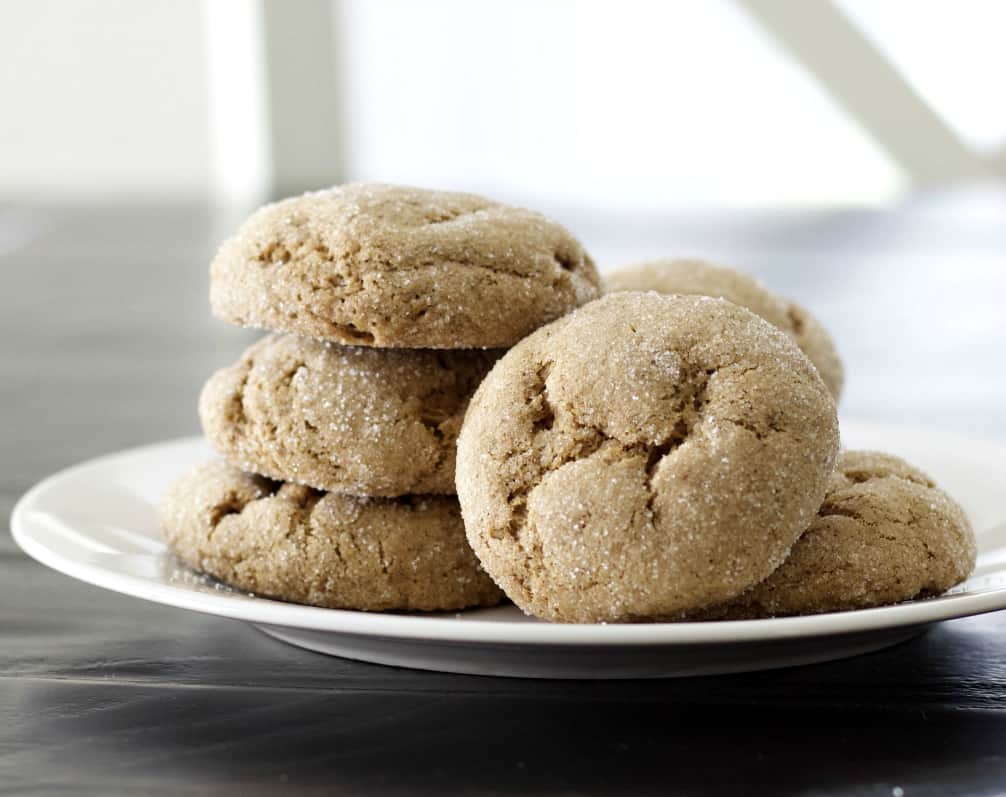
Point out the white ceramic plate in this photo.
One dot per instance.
(97, 522)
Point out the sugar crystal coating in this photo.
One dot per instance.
(699, 278)
(349, 419)
(642, 456)
(885, 533)
(392, 266)
(290, 542)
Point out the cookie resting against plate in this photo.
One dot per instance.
(643, 456)
(296, 544)
(884, 534)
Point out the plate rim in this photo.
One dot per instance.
(446, 627)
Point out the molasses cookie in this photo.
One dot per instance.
(390, 266)
(347, 419)
(290, 542)
(643, 456)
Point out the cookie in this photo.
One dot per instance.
(696, 277)
(390, 266)
(884, 534)
(296, 544)
(348, 419)
(641, 456)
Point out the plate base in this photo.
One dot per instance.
(587, 662)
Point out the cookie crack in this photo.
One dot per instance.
(544, 418)
(230, 504)
(833, 509)
(691, 415)
(760, 433)
(351, 331)
(309, 499)
(746, 425)
(689, 405)
(381, 556)
(240, 416)
(434, 421)
(242, 419)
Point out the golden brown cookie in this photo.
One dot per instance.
(696, 277)
(348, 419)
(296, 544)
(884, 534)
(642, 456)
(391, 266)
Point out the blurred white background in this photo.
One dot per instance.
(634, 105)
(851, 153)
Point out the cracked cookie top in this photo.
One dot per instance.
(290, 542)
(643, 455)
(391, 266)
(885, 533)
(699, 278)
(344, 418)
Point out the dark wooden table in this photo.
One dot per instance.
(106, 339)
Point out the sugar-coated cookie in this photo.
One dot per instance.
(391, 266)
(696, 277)
(642, 456)
(884, 534)
(349, 419)
(296, 544)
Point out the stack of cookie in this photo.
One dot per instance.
(387, 306)
(667, 452)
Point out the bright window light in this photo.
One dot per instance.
(951, 52)
(634, 105)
